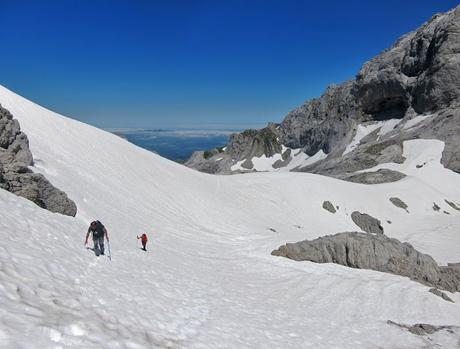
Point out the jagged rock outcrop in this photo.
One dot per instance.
(376, 252)
(246, 145)
(419, 74)
(18, 178)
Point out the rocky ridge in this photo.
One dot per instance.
(409, 91)
(376, 252)
(16, 176)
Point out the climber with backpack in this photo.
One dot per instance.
(144, 240)
(98, 230)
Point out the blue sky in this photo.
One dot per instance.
(190, 63)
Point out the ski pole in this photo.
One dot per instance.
(110, 253)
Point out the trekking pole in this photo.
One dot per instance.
(110, 253)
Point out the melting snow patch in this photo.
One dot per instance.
(361, 132)
(388, 126)
(416, 120)
(264, 164)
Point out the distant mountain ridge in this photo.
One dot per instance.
(411, 90)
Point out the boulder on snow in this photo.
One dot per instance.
(399, 203)
(375, 177)
(18, 178)
(377, 252)
(327, 205)
(367, 223)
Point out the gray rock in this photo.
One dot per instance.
(286, 159)
(254, 143)
(18, 178)
(247, 164)
(399, 203)
(441, 294)
(436, 207)
(367, 223)
(375, 177)
(323, 123)
(452, 204)
(422, 329)
(372, 251)
(327, 205)
(450, 277)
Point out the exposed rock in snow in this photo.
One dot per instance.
(399, 203)
(376, 252)
(452, 204)
(423, 329)
(367, 223)
(327, 205)
(441, 294)
(18, 178)
(375, 177)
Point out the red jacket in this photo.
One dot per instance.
(143, 238)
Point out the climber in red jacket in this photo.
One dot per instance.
(144, 240)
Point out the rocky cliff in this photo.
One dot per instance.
(411, 90)
(18, 178)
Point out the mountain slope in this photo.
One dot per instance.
(416, 81)
(208, 279)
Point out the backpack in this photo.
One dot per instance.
(99, 232)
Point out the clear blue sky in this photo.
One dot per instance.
(192, 63)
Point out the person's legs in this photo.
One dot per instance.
(97, 250)
(101, 244)
(144, 243)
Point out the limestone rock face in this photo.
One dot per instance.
(321, 124)
(18, 178)
(376, 252)
(242, 146)
(419, 74)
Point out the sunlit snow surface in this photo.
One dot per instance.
(208, 279)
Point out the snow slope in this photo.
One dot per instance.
(208, 279)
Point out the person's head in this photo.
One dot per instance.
(93, 225)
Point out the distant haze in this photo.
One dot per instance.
(176, 145)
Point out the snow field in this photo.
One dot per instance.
(208, 279)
